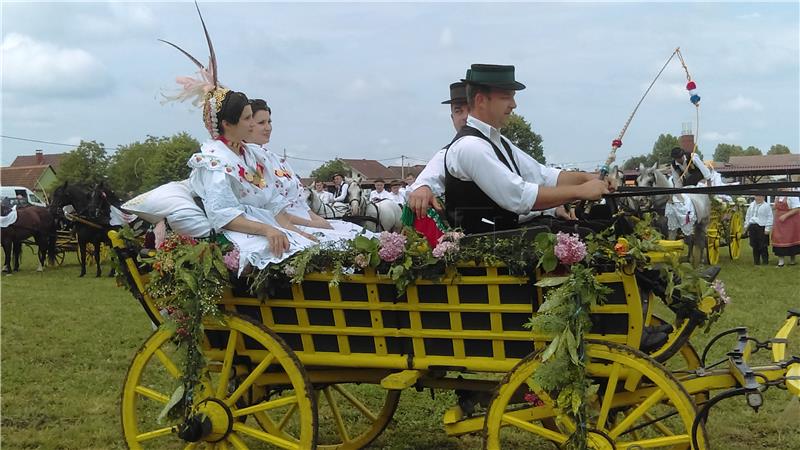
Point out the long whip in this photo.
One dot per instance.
(693, 97)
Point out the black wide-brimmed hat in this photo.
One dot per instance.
(493, 75)
(458, 93)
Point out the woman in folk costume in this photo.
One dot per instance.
(786, 229)
(231, 183)
(280, 176)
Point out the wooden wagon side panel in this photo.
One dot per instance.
(473, 319)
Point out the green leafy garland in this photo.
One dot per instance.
(187, 283)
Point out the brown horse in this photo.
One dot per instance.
(32, 221)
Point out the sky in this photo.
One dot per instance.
(366, 80)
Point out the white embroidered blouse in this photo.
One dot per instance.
(231, 185)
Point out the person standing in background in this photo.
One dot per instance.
(758, 222)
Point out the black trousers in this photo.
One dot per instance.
(760, 244)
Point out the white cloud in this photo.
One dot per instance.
(754, 15)
(742, 103)
(446, 37)
(36, 68)
(358, 87)
(719, 136)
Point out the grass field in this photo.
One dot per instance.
(67, 343)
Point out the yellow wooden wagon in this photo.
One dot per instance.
(342, 354)
(725, 229)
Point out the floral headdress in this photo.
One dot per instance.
(205, 89)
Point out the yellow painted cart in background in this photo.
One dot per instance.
(323, 366)
(725, 229)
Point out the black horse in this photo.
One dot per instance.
(32, 221)
(90, 216)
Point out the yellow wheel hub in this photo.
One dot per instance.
(220, 417)
(597, 440)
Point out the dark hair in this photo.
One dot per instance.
(475, 89)
(677, 152)
(336, 175)
(231, 110)
(259, 105)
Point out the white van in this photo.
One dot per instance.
(12, 193)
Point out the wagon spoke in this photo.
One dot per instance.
(631, 418)
(152, 394)
(168, 364)
(659, 442)
(225, 373)
(535, 429)
(190, 446)
(608, 397)
(258, 434)
(262, 366)
(337, 415)
(657, 423)
(237, 443)
(222, 445)
(355, 402)
(265, 406)
(155, 433)
(287, 416)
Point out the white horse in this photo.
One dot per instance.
(336, 210)
(386, 214)
(701, 203)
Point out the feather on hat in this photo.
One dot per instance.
(205, 89)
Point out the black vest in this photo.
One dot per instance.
(466, 204)
(692, 176)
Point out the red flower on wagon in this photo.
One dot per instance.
(533, 399)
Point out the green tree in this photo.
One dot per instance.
(752, 151)
(519, 132)
(723, 152)
(86, 164)
(633, 163)
(169, 161)
(326, 171)
(662, 149)
(128, 164)
(779, 149)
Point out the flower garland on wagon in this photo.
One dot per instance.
(189, 277)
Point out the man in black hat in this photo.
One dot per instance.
(429, 183)
(688, 170)
(489, 182)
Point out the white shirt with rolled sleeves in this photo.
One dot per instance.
(325, 197)
(432, 175)
(473, 159)
(375, 196)
(759, 214)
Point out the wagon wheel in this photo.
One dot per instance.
(351, 415)
(683, 361)
(736, 231)
(245, 352)
(60, 253)
(655, 412)
(712, 245)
